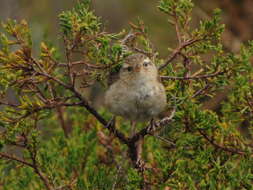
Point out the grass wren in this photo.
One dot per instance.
(137, 95)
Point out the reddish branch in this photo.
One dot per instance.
(177, 26)
(50, 106)
(177, 51)
(130, 142)
(7, 104)
(152, 127)
(65, 127)
(135, 143)
(234, 151)
(33, 165)
(193, 77)
(91, 66)
(201, 91)
(14, 158)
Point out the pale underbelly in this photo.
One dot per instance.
(142, 104)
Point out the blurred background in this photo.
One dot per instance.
(116, 14)
(42, 17)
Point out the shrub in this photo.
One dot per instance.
(52, 137)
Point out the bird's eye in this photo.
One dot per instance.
(129, 69)
(145, 64)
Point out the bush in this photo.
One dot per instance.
(53, 138)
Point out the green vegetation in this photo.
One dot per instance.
(53, 138)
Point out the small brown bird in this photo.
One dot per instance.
(137, 95)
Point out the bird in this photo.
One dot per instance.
(138, 95)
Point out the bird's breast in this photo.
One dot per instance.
(140, 100)
(146, 90)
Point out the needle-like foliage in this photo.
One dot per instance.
(53, 137)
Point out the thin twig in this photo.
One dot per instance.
(11, 157)
(54, 79)
(234, 151)
(64, 126)
(200, 91)
(165, 140)
(177, 27)
(32, 165)
(177, 51)
(88, 65)
(8, 104)
(116, 177)
(152, 128)
(193, 77)
(50, 106)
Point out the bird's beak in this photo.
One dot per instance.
(137, 68)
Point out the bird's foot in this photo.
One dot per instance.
(153, 126)
(140, 165)
(111, 122)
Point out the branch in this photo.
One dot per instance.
(151, 128)
(177, 26)
(52, 106)
(14, 158)
(91, 66)
(8, 104)
(68, 56)
(234, 151)
(33, 155)
(177, 51)
(32, 165)
(65, 127)
(54, 79)
(111, 127)
(83, 102)
(136, 142)
(193, 77)
(201, 90)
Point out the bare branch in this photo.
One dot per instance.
(193, 77)
(54, 79)
(14, 158)
(135, 143)
(8, 104)
(177, 51)
(177, 26)
(200, 91)
(32, 165)
(66, 129)
(111, 127)
(234, 151)
(152, 128)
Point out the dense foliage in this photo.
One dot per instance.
(52, 137)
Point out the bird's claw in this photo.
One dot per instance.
(153, 126)
(111, 122)
(140, 165)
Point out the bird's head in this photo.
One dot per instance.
(138, 65)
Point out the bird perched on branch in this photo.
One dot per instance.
(138, 94)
